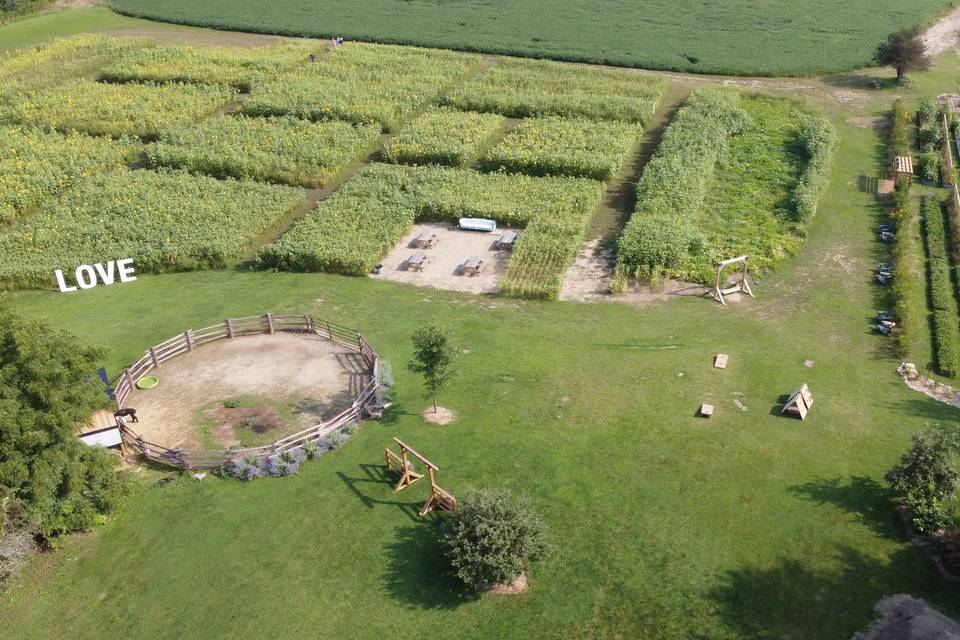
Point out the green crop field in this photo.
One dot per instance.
(751, 38)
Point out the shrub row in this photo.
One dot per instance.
(142, 110)
(443, 136)
(899, 130)
(908, 276)
(528, 88)
(818, 139)
(946, 330)
(351, 231)
(165, 221)
(577, 147)
(239, 67)
(36, 165)
(283, 149)
(674, 183)
(362, 83)
(929, 141)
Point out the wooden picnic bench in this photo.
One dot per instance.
(426, 240)
(417, 261)
(474, 266)
(507, 240)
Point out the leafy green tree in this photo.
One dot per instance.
(48, 386)
(492, 538)
(904, 51)
(433, 357)
(926, 476)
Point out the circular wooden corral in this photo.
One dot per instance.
(235, 328)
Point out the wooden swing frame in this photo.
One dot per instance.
(402, 466)
(740, 287)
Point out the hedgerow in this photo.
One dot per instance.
(361, 83)
(239, 67)
(577, 147)
(908, 277)
(929, 140)
(946, 331)
(899, 130)
(351, 231)
(165, 221)
(527, 88)
(675, 181)
(142, 110)
(818, 139)
(443, 136)
(36, 165)
(284, 149)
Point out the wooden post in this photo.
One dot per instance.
(309, 322)
(153, 356)
(270, 323)
(329, 331)
(229, 328)
(189, 339)
(128, 378)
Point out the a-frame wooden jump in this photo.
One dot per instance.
(403, 467)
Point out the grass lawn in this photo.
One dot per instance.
(665, 525)
(748, 38)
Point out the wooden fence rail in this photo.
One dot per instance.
(187, 341)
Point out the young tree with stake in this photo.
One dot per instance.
(433, 359)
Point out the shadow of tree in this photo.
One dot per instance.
(418, 575)
(864, 497)
(792, 601)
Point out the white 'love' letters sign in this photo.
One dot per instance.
(87, 276)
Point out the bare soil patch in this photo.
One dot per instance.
(444, 260)
(321, 378)
(441, 416)
(518, 586)
(936, 390)
(869, 122)
(942, 36)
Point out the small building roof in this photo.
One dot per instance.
(109, 437)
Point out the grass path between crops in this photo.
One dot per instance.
(665, 526)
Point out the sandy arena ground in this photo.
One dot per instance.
(281, 367)
(442, 270)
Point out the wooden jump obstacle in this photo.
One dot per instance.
(799, 402)
(403, 467)
(742, 286)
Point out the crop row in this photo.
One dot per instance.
(908, 287)
(36, 165)
(929, 141)
(350, 232)
(946, 330)
(141, 110)
(165, 221)
(577, 147)
(443, 136)
(361, 83)
(283, 149)
(818, 139)
(674, 183)
(240, 67)
(527, 88)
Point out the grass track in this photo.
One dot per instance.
(745, 38)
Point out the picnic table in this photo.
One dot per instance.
(417, 261)
(507, 240)
(426, 240)
(474, 266)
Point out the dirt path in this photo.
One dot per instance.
(942, 36)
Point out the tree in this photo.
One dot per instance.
(48, 385)
(433, 359)
(926, 476)
(904, 51)
(492, 538)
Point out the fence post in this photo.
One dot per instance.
(128, 378)
(229, 327)
(153, 356)
(270, 323)
(189, 339)
(309, 322)
(329, 332)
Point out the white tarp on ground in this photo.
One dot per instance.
(104, 438)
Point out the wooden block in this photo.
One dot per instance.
(720, 362)
(706, 410)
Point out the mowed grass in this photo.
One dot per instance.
(753, 37)
(664, 525)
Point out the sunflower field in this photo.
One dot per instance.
(552, 146)
(36, 165)
(281, 149)
(527, 88)
(443, 136)
(141, 110)
(239, 67)
(362, 83)
(165, 221)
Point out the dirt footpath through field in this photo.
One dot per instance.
(942, 36)
(323, 378)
